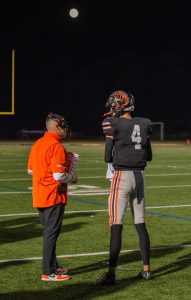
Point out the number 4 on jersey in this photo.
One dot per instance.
(136, 137)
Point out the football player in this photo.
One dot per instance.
(127, 148)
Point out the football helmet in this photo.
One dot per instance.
(118, 103)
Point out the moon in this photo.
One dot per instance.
(73, 12)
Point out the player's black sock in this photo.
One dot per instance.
(144, 242)
(115, 244)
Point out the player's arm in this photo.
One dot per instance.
(109, 142)
(149, 154)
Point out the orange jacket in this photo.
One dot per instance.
(47, 156)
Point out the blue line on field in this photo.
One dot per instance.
(13, 188)
(104, 204)
(167, 216)
(87, 201)
(147, 212)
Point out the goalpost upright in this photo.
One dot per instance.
(161, 124)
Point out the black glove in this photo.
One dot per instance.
(62, 188)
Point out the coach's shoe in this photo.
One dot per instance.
(54, 277)
(147, 275)
(106, 279)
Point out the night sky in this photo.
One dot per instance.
(71, 66)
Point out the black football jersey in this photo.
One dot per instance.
(126, 142)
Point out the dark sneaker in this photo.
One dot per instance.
(147, 275)
(106, 279)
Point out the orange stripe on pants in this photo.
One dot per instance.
(111, 196)
(117, 198)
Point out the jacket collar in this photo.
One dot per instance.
(53, 135)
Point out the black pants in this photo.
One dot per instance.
(51, 221)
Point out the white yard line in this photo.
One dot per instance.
(168, 186)
(94, 192)
(89, 254)
(19, 164)
(5, 171)
(66, 212)
(100, 192)
(15, 179)
(98, 176)
(172, 174)
(22, 192)
(96, 210)
(169, 206)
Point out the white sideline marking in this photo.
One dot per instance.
(97, 210)
(90, 254)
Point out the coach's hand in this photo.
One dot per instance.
(74, 178)
(62, 188)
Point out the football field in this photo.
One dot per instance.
(84, 240)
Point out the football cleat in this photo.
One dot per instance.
(147, 275)
(106, 279)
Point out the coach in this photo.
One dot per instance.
(48, 165)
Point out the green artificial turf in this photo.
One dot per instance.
(85, 233)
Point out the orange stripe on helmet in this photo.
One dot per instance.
(121, 95)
